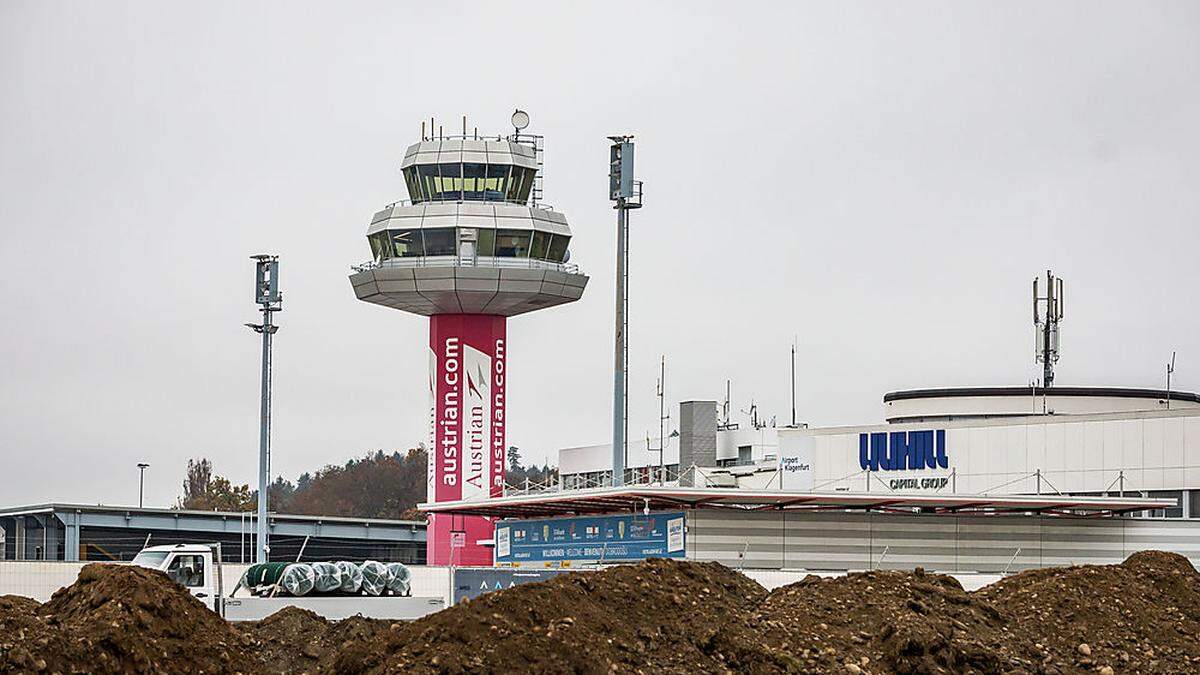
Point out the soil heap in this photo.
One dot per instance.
(120, 619)
(902, 622)
(1142, 615)
(291, 640)
(656, 616)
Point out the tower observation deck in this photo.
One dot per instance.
(471, 247)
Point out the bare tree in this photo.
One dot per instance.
(204, 491)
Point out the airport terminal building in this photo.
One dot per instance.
(959, 480)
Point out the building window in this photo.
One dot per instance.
(745, 455)
(512, 243)
(495, 185)
(380, 248)
(540, 241)
(439, 241)
(1173, 512)
(520, 184)
(413, 183)
(486, 244)
(558, 248)
(428, 176)
(406, 244)
(473, 181)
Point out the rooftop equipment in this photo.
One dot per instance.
(1047, 313)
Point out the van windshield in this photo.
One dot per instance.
(151, 559)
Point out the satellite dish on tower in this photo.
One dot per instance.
(520, 120)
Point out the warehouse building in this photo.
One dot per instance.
(76, 532)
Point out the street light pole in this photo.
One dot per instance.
(142, 466)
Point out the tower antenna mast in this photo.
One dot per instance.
(1170, 372)
(627, 194)
(793, 382)
(1047, 313)
(270, 300)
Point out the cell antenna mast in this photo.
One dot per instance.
(793, 382)
(1170, 372)
(1047, 313)
(726, 408)
(626, 193)
(270, 300)
(663, 417)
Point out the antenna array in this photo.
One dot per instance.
(1047, 313)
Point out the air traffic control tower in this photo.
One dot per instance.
(471, 247)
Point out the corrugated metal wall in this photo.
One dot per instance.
(989, 544)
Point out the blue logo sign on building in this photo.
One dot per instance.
(903, 450)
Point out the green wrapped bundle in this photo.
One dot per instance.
(264, 574)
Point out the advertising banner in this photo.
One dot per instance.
(590, 539)
(467, 414)
(468, 383)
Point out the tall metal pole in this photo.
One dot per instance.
(267, 295)
(626, 193)
(621, 347)
(662, 419)
(264, 438)
(1170, 370)
(142, 481)
(793, 383)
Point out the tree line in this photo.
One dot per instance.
(377, 485)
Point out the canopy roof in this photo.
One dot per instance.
(640, 497)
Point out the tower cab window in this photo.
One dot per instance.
(440, 241)
(468, 182)
(512, 243)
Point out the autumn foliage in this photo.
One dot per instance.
(377, 485)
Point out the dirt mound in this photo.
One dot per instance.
(903, 622)
(17, 604)
(657, 616)
(119, 618)
(289, 641)
(1140, 615)
(27, 642)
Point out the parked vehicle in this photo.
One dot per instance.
(198, 568)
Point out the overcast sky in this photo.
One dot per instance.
(880, 181)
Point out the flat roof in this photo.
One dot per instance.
(634, 499)
(968, 392)
(234, 515)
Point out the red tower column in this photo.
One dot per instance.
(467, 411)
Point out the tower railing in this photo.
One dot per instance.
(456, 200)
(456, 261)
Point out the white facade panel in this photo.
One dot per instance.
(1152, 458)
(1035, 443)
(1081, 453)
(1173, 444)
(1085, 453)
